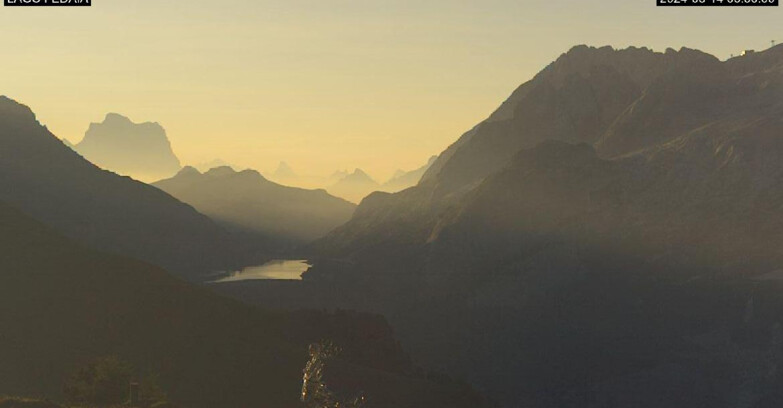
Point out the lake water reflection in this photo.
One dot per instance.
(281, 269)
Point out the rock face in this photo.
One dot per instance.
(620, 101)
(618, 201)
(354, 187)
(139, 150)
(247, 201)
(55, 185)
(406, 179)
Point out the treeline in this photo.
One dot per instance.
(104, 382)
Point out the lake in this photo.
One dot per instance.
(278, 269)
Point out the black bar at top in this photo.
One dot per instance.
(47, 3)
(717, 3)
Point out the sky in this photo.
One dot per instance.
(324, 84)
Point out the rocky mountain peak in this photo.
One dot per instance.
(140, 150)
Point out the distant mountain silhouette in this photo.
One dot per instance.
(206, 166)
(354, 187)
(284, 172)
(405, 179)
(64, 305)
(55, 185)
(139, 150)
(598, 235)
(337, 176)
(246, 200)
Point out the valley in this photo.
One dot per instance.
(609, 236)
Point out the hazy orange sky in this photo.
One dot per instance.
(323, 84)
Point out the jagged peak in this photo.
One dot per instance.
(117, 119)
(283, 165)
(759, 60)
(582, 50)
(592, 52)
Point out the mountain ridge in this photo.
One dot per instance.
(247, 201)
(612, 183)
(354, 186)
(490, 145)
